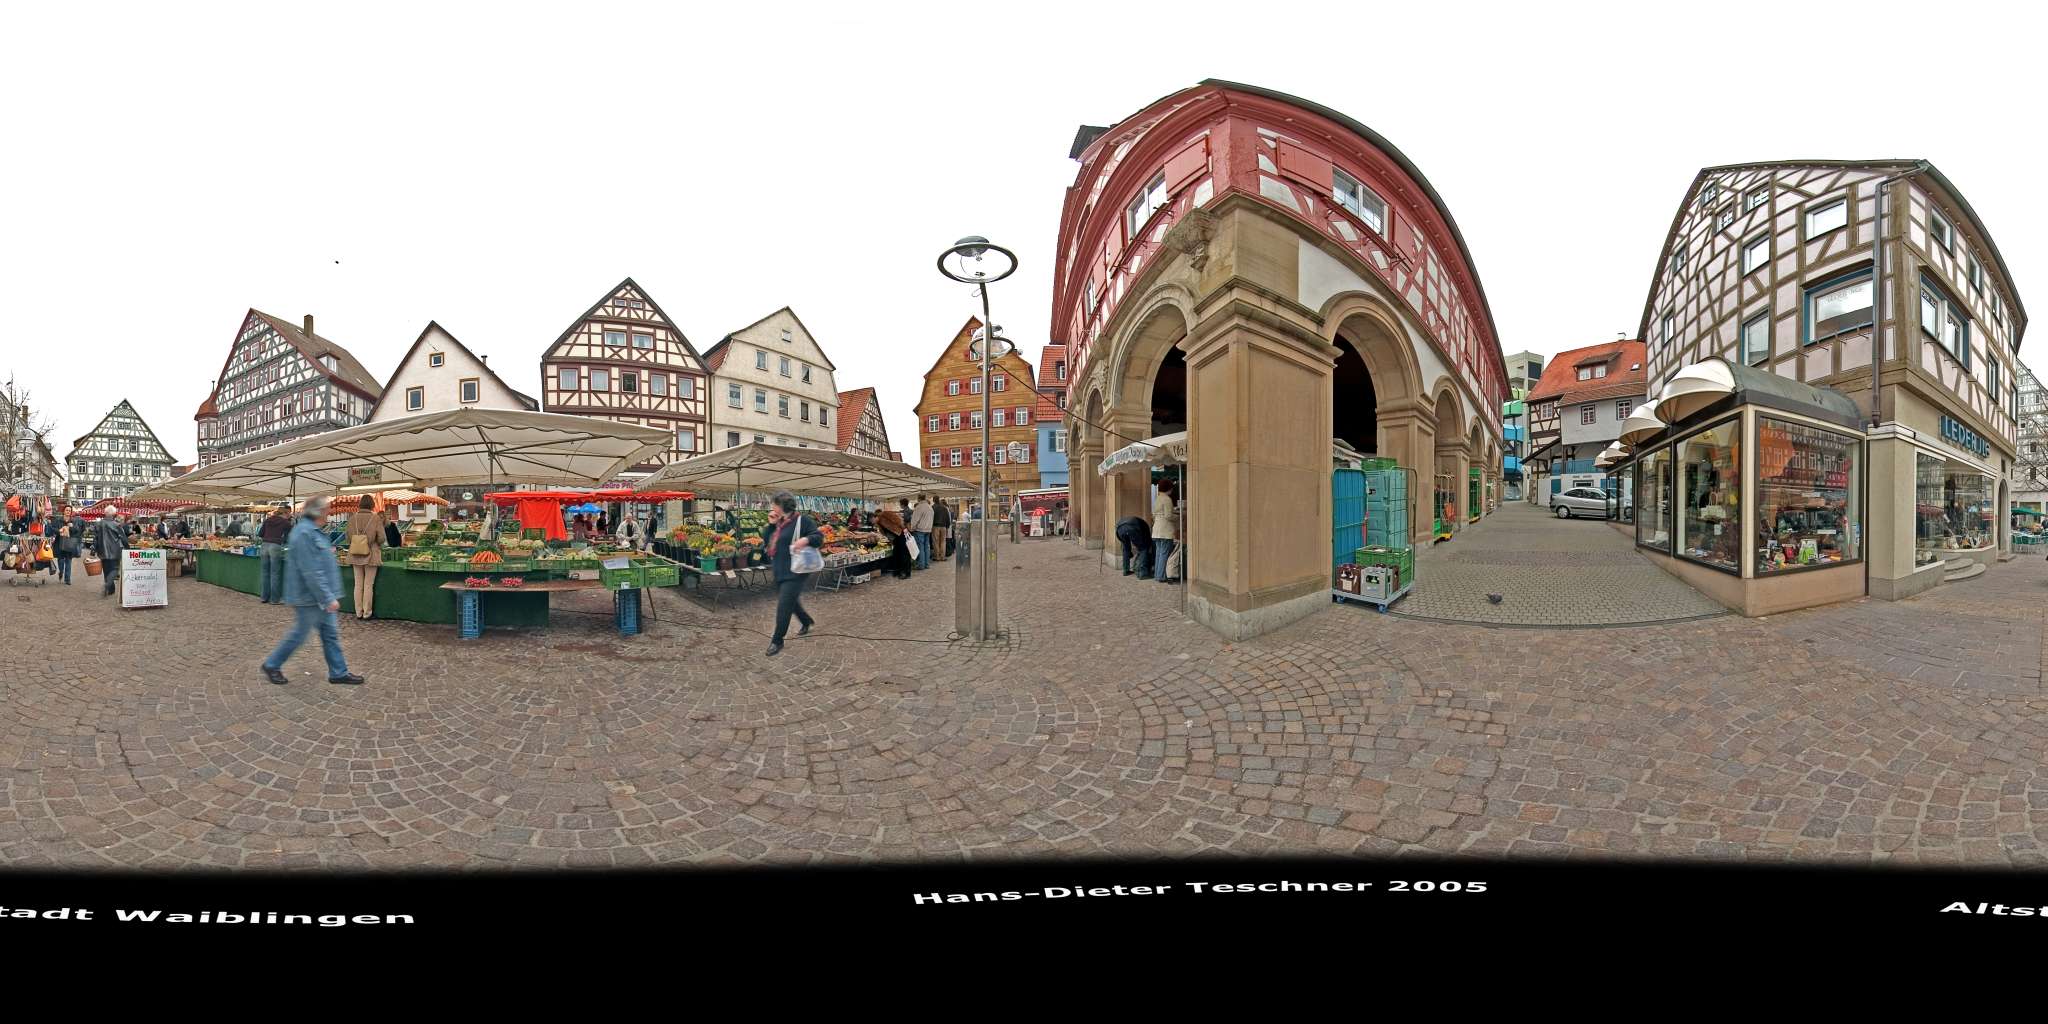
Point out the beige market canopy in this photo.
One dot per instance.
(1164, 450)
(458, 446)
(813, 472)
(1643, 422)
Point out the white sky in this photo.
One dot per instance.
(496, 167)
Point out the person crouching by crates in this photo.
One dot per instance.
(1134, 535)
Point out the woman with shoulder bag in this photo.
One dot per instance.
(66, 543)
(793, 542)
(366, 551)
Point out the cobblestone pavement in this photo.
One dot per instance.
(1548, 572)
(1907, 732)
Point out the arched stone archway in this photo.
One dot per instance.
(1450, 457)
(1473, 488)
(1364, 328)
(1147, 367)
(1086, 491)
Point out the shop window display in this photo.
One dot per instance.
(1930, 526)
(1967, 508)
(1653, 500)
(1808, 509)
(1709, 475)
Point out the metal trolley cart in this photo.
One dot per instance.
(1372, 551)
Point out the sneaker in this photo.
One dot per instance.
(348, 680)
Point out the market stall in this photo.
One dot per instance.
(438, 448)
(727, 549)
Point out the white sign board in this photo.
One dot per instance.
(144, 583)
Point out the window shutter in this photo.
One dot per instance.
(1187, 164)
(1306, 167)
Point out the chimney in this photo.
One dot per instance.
(309, 325)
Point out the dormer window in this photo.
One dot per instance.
(327, 361)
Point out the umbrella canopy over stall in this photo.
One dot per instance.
(816, 472)
(457, 446)
(1164, 450)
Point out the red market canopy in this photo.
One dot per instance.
(609, 494)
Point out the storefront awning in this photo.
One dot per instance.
(1164, 450)
(1610, 455)
(1642, 423)
(1711, 383)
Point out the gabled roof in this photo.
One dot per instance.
(667, 320)
(1561, 381)
(852, 404)
(1899, 166)
(1048, 376)
(525, 401)
(146, 428)
(799, 322)
(960, 339)
(714, 357)
(347, 370)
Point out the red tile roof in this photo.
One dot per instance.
(1050, 385)
(851, 405)
(1626, 375)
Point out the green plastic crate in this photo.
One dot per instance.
(1378, 463)
(664, 575)
(618, 579)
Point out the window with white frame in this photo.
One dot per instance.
(784, 368)
(1149, 200)
(974, 420)
(643, 341)
(600, 380)
(1937, 226)
(999, 418)
(436, 359)
(1756, 252)
(934, 457)
(953, 421)
(760, 359)
(1622, 408)
(471, 389)
(803, 411)
(1756, 339)
(1678, 258)
(657, 384)
(952, 387)
(760, 400)
(732, 439)
(616, 339)
(1001, 381)
(1023, 418)
(1059, 441)
(782, 406)
(1587, 414)
(415, 399)
(1000, 460)
(566, 378)
(977, 456)
(733, 396)
(931, 424)
(1976, 273)
(807, 373)
(1726, 218)
(956, 458)
(974, 386)
(1822, 219)
(686, 439)
(1756, 197)
(1351, 194)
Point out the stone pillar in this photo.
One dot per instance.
(1086, 493)
(1406, 435)
(1259, 517)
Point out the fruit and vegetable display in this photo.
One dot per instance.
(486, 558)
(512, 581)
(477, 581)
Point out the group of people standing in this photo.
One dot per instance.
(1151, 547)
(65, 537)
(928, 523)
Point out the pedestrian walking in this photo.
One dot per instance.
(108, 538)
(942, 525)
(365, 551)
(275, 527)
(789, 532)
(921, 522)
(312, 586)
(893, 527)
(65, 546)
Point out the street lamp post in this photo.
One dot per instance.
(968, 261)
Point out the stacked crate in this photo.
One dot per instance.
(1387, 509)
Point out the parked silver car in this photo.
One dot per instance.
(1585, 502)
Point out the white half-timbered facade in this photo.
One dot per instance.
(119, 457)
(281, 382)
(625, 360)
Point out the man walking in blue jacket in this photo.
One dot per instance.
(312, 586)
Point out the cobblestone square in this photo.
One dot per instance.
(1906, 732)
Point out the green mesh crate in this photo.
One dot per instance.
(664, 575)
(616, 579)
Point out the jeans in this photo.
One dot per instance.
(64, 568)
(272, 568)
(789, 601)
(110, 573)
(308, 618)
(1162, 551)
(924, 550)
(1136, 551)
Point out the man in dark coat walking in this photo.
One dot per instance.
(108, 538)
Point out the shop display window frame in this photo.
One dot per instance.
(1743, 475)
(1645, 461)
(1859, 487)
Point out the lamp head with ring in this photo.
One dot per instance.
(976, 260)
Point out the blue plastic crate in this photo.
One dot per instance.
(1348, 514)
(469, 619)
(626, 611)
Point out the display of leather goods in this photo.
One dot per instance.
(1807, 502)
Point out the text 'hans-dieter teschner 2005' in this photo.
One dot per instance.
(1059, 892)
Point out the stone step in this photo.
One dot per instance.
(1967, 570)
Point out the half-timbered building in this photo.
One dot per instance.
(861, 430)
(117, 458)
(625, 360)
(281, 382)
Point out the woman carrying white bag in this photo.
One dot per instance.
(793, 542)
